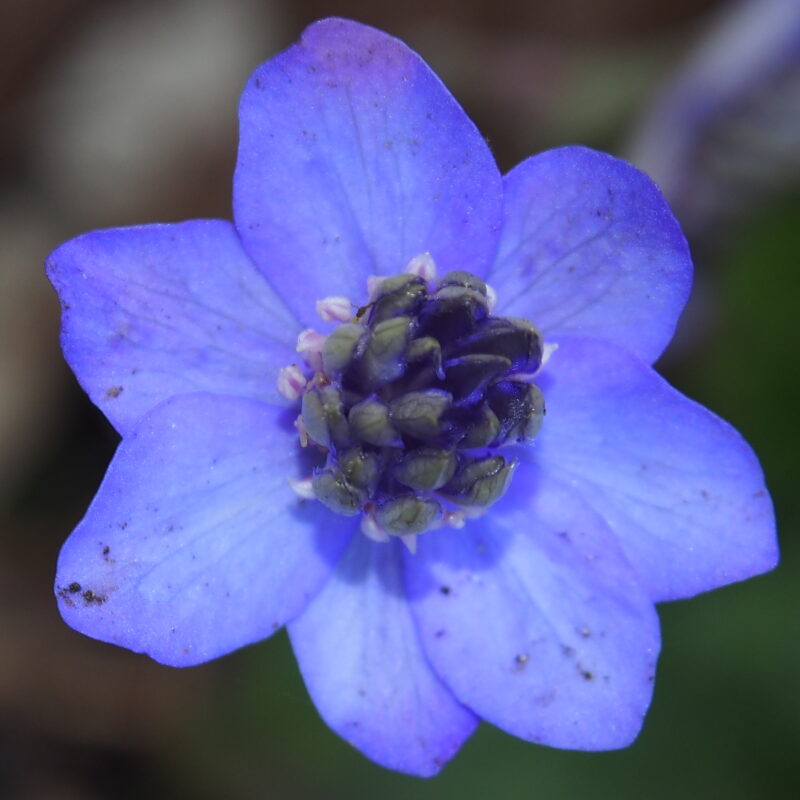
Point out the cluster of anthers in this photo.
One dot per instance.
(409, 399)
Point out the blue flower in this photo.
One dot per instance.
(536, 616)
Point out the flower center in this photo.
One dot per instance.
(412, 398)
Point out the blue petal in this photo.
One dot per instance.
(195, 544)
(680, 488)
(533, 618)
(589, 247)
(354, 158)
(363, 664)
(158, 310)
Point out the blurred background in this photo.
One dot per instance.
(116, 113)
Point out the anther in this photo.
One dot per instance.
(291, 382)
(335, 309)
(309, 345)
(423, 266)
(373, 284)
(371, 529)
(302, 487)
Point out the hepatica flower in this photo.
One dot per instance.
(384, 481)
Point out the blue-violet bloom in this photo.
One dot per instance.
(384, 481)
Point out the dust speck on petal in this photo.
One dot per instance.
(92, 598)
(520, 662)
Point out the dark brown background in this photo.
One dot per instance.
(116, 113)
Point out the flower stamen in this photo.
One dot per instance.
(422, 266)
(412, 399)
(335, 309)
(291, 382)
(303, 488)
(309, 345)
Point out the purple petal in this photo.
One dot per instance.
(353, 159)
(721, 137)
(363, 664)
(589, 247)
(534, 620)
(680, 488)
(195, 544)
(159, 310)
